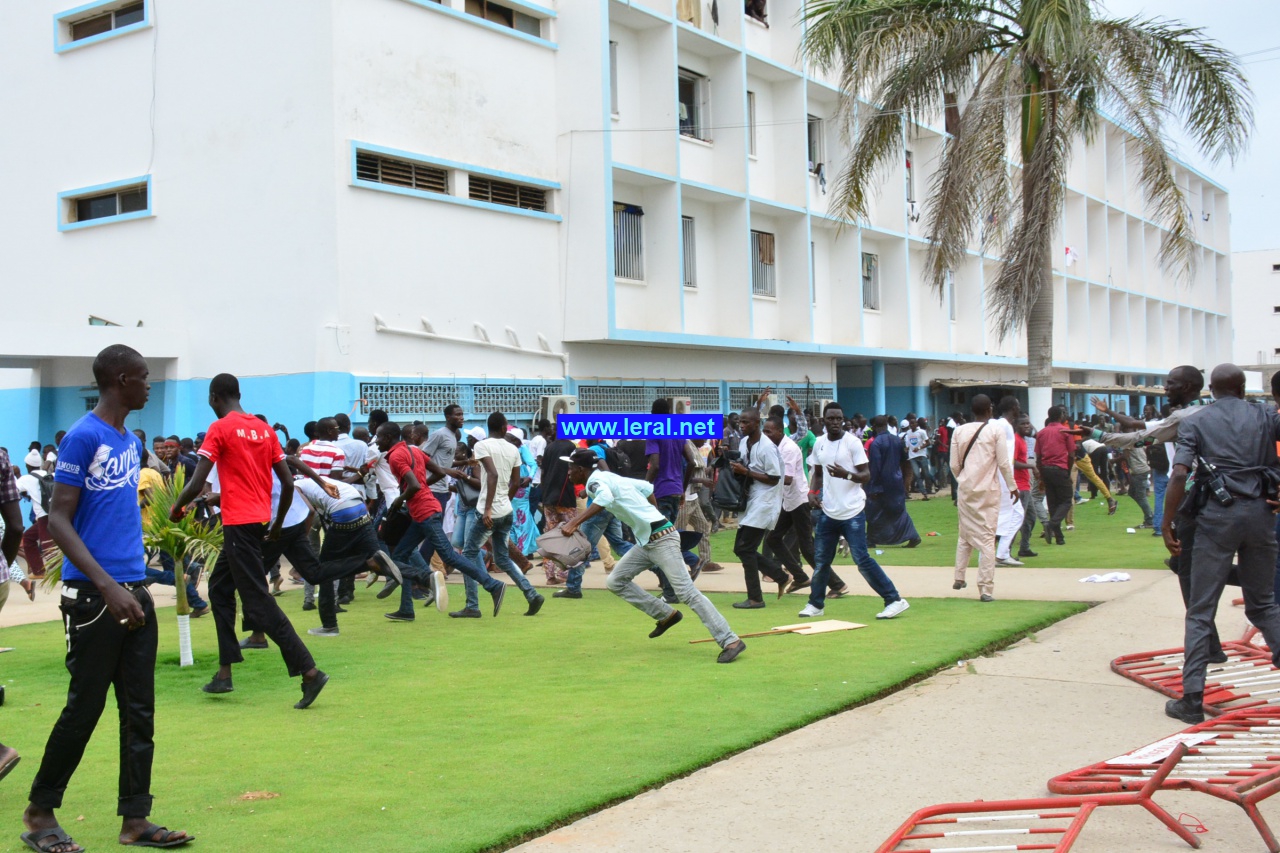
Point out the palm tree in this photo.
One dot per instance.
(1038, 72)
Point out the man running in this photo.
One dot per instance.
(657, 546)
(109, 616)
(246, 451)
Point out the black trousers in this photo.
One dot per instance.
(799, 523)
(102, 653)
(346, 550)
(1184, 526)
(1058, 494)
(294, 545)
(746, 545)
(240, 570)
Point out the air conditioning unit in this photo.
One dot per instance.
(680, 405)
(558, 404)
(815, 410)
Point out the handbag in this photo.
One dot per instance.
(467, 494)
(731, 490)
(567, 551)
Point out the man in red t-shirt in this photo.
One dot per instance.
(1022, 478)
(246, 451)
(1055, 454)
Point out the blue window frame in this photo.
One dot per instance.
(103, 204)
(99, 21)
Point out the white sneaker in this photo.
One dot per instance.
(893, 609)
(810, 610)
(1009, 561)
(440, 591)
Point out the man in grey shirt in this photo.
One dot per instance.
(440, 447)
(1231, 445)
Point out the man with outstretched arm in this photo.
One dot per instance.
(246, 451)
(657, 546)
(107, 612)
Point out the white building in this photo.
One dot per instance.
(402, 203)
(1255, 302)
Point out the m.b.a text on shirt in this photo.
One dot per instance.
(638, 426)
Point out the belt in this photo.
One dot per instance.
(350, 525)
(72, 589)
(662, 533)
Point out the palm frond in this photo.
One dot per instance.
(178, 539)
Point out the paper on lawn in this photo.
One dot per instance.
(823, 626)
(1110, 577)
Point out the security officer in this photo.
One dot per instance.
(1231, 446)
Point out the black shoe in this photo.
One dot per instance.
(1220, 657)
(664, 624)
(246, 643)
(566, 593)
(308, 605)
(346, 599)
(748, 605)
(465, 613)
(338, 608)
(730, 652)
(1189, 709)
(1022, 554)
(959, 585)
(389, 587)
(218, 685)
(1059, 540)
(535, 604)
(311, 689)
(399, 617)
(916, 541)
(497, 599)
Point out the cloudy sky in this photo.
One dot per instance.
(1245, 27)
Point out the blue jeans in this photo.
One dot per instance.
(467, 517)
(428, 535)
(923, 474)
(476, 537)
(612, 529)
(854, 531)
(1160, 482)
(166, 577)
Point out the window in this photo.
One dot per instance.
(763, 281)
(613, 77)
(103, 204)
(813, 276)
(751, 123)
(695, 112)
(401, 173)
(1275, 267)
(870, 281)
(689, 252)
(951, 294)
(505, 16)
(816, 148)
(628, 241)
(503, 192)
(99, 21)
(911, 179)
(1275, 309)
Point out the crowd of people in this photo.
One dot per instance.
(409, 504)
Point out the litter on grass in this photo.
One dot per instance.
(1110, 577)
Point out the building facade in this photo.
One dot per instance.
(1255, 294)
(401, 203)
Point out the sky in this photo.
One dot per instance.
(1242, 26)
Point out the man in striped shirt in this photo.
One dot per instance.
(323, 455)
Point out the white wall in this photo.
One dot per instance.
(1255, 299)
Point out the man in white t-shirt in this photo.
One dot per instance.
(499, 483)
(538, 446)
(917, 441)
(762, 466)
(797, 516)
(34, 486)
(838, 467)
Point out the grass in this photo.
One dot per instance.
(446, 735)
(1099, 542)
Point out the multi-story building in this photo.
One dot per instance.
(1255, 295)
(401, 203)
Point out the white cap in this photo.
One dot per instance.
(517, 432)
(33, 459)
(477, 433)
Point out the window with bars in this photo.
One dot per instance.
(613, 78)
(751, 123)
(628, 241)
(689, 252)
(870, 281)
(639, 398)
(401, 173)
(504, 192)
(99, 23)
(427, 400)
(126, 200)
(496, 13)
(741, 397)
(817, 148)
(951, 294)
(694, 92)
(763, 264)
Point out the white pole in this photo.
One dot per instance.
(184, 641)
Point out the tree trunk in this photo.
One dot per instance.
(1040, 344)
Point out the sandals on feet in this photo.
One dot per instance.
(158, 836)
(44, 840)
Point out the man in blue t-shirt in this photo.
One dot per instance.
(109, 615)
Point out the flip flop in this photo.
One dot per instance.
(44, 840)
(148, 838)
(11, 763)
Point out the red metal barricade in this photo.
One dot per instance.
(1048, 823)
(1235, 757)
(1247, 679)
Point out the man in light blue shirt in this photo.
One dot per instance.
(657, 545)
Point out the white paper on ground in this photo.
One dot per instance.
(1158, 751)
(1110, 577)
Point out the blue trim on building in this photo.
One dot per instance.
(62, 19)
(539, 12)
(83, 192)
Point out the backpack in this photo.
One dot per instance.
(46, 492)
(731, 490)
(617, 461)
(1158, 458)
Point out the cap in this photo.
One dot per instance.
(200, 436)
(34, 459)
(477, 433)
(582, 458)
(517, 432)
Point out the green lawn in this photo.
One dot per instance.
(1099, 541)
(448, 735)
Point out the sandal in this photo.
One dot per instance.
(44, 840)
(150, 837)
